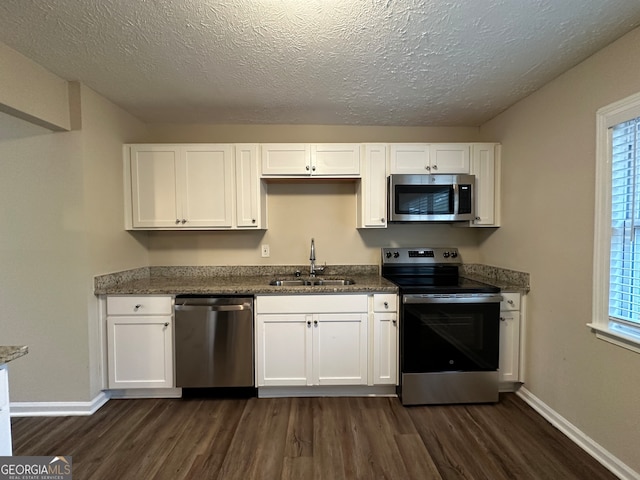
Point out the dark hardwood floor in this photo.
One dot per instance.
(307, 438)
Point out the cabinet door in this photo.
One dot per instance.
(340, 349)
(248, 192)
(341, 159)
(5, 419)
(483, 166)
(140, 352)
(207, 199)
(509, 346)
(410, 158)
(285, 159)
(449, 157)
(385, 348)
(154, 186)
(283, 349)
(372, 192)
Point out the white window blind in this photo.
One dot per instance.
(624, 272)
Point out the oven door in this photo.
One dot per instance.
(450, 333)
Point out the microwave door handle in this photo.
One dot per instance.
(456, 199)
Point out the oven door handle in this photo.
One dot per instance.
(453, 298)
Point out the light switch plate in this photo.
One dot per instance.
(265, 250)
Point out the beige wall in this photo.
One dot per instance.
(548, 175)
(31, 92)
(61, 197)
(299, 211)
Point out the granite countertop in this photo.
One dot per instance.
(8, 353)
(236, 281)
(506, 280)
(254, 280)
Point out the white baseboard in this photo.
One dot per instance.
(57, 409)
(603, 456)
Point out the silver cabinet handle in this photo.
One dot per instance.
(382, 220)
(308, 323)
(510, 302)
(427, 167)
(435, 167)
(315, 322)
(386, 304)
(184, 220)
(253, 220)
(137, 307)
(394, 321)
(502, 319)
(307, 167)
(177, 221)
(313, 168)
(166, 324)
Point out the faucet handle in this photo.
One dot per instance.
(297, 273)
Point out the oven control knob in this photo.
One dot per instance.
(445, 254)
(396, 254)
(454, 254)
(388, 254)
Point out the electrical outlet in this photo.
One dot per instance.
(265, 250)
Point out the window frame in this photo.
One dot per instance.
(602, 325)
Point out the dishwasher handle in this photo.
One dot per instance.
(214, 308)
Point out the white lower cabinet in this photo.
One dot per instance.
(140, 342)
(304, 340)
(5, 419)
(509, 367)
(385, 339)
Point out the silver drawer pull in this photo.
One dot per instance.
(137, 307)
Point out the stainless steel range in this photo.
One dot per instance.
(449, 328)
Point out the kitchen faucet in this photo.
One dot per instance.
(312, 256)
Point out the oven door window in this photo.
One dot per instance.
(450, 337)
(424, 199)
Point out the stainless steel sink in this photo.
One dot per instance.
(288, 283)
(331, 281)
(310, 282)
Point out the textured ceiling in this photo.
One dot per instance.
(358, 62)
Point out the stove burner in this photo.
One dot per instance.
(428, 270)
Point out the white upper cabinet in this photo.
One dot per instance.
(198, 187)
(154, 186)
(301, 159)
(286, 159)
(207, 186)
(372, 189)
(335, 159)
(424, 158)
(485, 165)
(251, 205)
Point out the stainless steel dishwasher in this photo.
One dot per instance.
(214, 341)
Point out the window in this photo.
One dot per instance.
(616, 304)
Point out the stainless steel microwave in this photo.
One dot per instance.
(431, 198)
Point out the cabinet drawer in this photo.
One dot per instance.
(311, 304)
(385, 302)
(510, 301)
(139, 305)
